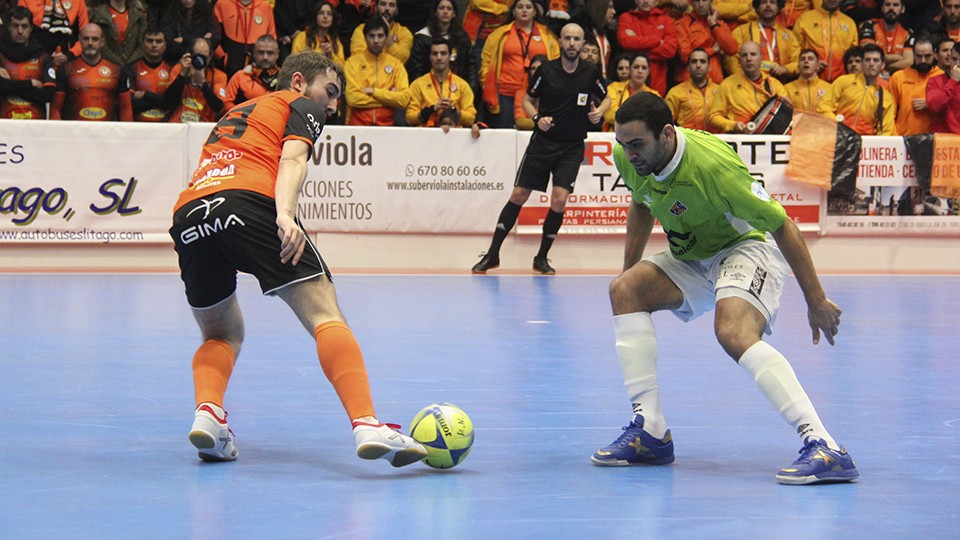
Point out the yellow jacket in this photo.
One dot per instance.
(364, 70)
(735, 11)
(787, 47)
(738, 99)
(300, 44)
(850, 97)
(805, 95)
(617, 93)
(422, 93)
(905, 86)
(400, 48)
(829, 35)
(690, 104)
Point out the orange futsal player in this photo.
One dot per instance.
(239, 214)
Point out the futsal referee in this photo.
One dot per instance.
(564, 97)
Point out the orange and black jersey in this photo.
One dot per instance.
(18, 97)
(243, 149)
(92, 92)
(153, 80)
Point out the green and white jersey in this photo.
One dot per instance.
(706, 199)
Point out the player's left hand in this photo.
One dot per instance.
(292, 239)
(594, 115)
(825, 316)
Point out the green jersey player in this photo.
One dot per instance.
(716, 217)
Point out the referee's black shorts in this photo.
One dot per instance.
(545, 156)
(230, 231)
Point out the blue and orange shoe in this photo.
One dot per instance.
(635, 447)
(817, 464)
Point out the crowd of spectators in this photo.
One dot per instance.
(888, 67)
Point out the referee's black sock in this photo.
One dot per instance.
(551, 226)
(506, 221)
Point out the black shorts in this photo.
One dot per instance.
(545, 156)
(231, 231)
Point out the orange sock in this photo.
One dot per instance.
(212, 365)
(342, 363)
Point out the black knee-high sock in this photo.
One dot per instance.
(551, 226)
(506, 221)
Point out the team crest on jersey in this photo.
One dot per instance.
(388, 69)
(453, 87)
(258, 19)
(537, 38)
(105, 71)
(52, 73)
(678, 208)
(163, 74)
(821, 93)
(66, 4)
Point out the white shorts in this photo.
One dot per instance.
(752, 270)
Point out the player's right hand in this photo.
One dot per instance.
(292, 239)
(824, 316)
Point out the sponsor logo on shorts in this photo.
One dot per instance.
(205, 229)
(207, 205)
(759, 278)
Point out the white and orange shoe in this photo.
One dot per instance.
(211, 435)
(376, 441)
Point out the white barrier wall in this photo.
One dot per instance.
(98, 186)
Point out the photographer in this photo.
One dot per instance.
(258, 78)
(198, 89)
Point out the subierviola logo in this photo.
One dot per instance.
(349, 152)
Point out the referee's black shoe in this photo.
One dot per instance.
(488, 261)
(542, 265)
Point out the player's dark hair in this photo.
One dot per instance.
(855, 51)
(308, 63)
(375, 23)
(152, 30)
(648, 108)
(640, 54)
(698, 49)
(872, 48)
(808, 50)
(956, 47)
(780, 4)
(441, 41)
(19, 12)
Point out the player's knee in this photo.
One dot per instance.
(734, 340)
(519, 196)
(624, 295)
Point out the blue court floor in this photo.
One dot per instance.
(96, 401)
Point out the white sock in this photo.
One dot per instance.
(636, 343)
(779, 384)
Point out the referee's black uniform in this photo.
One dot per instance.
(567, 98)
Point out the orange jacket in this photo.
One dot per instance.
(483, 16)
(694, 32)
(491, 60)
(906, 85)
(654, 33)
